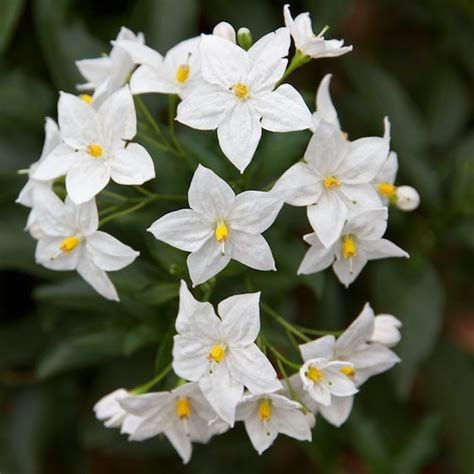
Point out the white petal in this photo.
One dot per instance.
(327, 217)
(299, 186)
(86, 179)
(322, 347)
(185, 229)
(85, 216)
(322, 48)
(325, 109)
(319, 393)
(108, 253)
(316, 259)
(225, 30)
(149, 79)
(388, 172)
(241, 318)
(261, 435)
(386, 330)
(94, 70)
(55, 164)
(368, 225)
(357, 334)
(338, 383)
(283, 110)
(177, 437)
(251, 250)
(140, 53)
(347, 270)
(292, 422)
(131, 165)
(254, 211)
(97, 278)
(360, 197)
(239, 134)
(190, 357)
(339, 410)
(48, 254)
(383, 248)
(145, 404)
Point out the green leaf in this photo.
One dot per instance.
(11, 11)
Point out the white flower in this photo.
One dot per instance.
(95, 147)
(360, 241)
(182, 415)
(335, 179)
(107, 74)
(70, 240)
(225, 30)
(386, 330)
(238, 98)
(408, 198)
(220, 353)
(220, 226)
(265, 416)
(177, 73)
(325, 110)
(307, 42)
(108, 409)
(362, 360)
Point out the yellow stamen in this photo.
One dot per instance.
(265, 409)
(345, 135)
(348, 371)
(95, 150)
(348, 246)
(183, 408)
(331, 182)
(69, 244)
(386, 189)
(217, 354)
(86, 98)
(182, 73)
(315, 374)
(240, 90)
(222, 232)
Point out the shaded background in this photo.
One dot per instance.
(62, 347)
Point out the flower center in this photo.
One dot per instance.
(348, 247)
(386, 189)
(222, 232)
(315, 374)
(265, 409)
(182, 73)
(240, 90)
(86, 98)
(95, 150)
(69, 244)
(217, 354)
(331, 182)
(183, 408)
(348, 371)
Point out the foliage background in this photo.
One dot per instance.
(62, 347)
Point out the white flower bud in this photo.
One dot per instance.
(408, 198)
(225, 30)
(244, 38)
(386, 330)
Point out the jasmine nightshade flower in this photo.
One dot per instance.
(360, 241)
(70, 240)
(183, 415)
(307, 42)
(238, 97)
(265, 416)
(220, 226)
(107, 74)
(219, 352)
(177, 73)
(386, 330)
(362, 359)
(335, 179)
(96, 147)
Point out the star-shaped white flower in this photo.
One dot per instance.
(107, 74)
(220, 353)
(183, 415)
(307, 42)
(334, 181)
(265, 416)
(220, 226)
(96, 147)
(362, 359)
(238, 97)
(360, 241)
(177, 73)
(70, 240)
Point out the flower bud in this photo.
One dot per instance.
(386, 330)
(224, 30)
(408, 198)
(244, 38)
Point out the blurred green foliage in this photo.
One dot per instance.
(62, 347)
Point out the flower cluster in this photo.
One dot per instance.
(221, 359)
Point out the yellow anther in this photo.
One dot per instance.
(386, 189)
(95, 150)
(86, 98)
(183, 408)
(240, 90)
(345, 135)
(331, 182)
(348, 246)
(69, 244)
(315, 374)
(182, 73)
(217, 354)
(222, 232)
(265, 409)
(348, 371)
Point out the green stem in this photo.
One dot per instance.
(109, 209)
(298, 60)
(283, 322)
(152, 141)
(293, 393)
(319, 332)
(144, 191)
(281, 357)
(148, 385)
(116, 196)
(149, 117)
(127, 211)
